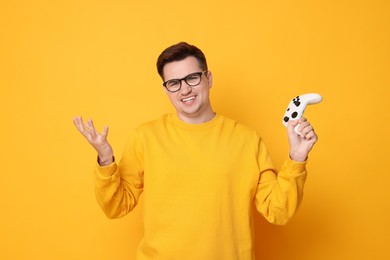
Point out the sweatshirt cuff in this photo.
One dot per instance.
(294, 167)
(107, 171)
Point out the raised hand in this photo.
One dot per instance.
(302, 143)
(97, 140)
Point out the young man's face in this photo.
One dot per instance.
(192, 104)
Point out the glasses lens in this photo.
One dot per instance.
(193, 79)
(173, 85)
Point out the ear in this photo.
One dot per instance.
(210, 78)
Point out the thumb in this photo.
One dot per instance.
(105, 131)
(291, 125)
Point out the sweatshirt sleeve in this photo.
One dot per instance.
(279, 195)
(118, 186)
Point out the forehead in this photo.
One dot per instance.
(180, 69)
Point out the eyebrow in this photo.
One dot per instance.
(184, 76)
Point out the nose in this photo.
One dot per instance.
(185, 88)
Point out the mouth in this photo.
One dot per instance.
(188, 99)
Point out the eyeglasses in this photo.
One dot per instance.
(193, 79)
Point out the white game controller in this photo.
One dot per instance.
(297, 107)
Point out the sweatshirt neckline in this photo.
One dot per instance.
(188, 126)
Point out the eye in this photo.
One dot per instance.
(173, 83)
(193, 79)
(192, 76)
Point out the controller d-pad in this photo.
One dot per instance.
(297, 101)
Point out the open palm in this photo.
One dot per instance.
(97, 140)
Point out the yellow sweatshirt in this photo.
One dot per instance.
(199, 183)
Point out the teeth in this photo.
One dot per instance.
(188, 99)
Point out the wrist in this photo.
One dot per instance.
(298, 157)
(105, 160)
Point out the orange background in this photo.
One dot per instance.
(97, 59)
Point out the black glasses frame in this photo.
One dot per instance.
(200, 74)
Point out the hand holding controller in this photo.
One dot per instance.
(297, 107)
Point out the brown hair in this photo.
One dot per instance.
(179, 52)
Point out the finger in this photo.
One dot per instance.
(290, 127)
(299, 125)
(302, 119)
(293, 123)
(105, 131)
(91, 128)
(311, 136)
(303, 125)
(306, 128)
(78, 121)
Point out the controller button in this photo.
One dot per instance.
(294, 115)
(285, 119)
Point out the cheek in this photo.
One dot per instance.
(172, 98)
(205, 90)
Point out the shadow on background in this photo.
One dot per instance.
(274, 242)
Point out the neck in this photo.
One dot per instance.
(196, 119)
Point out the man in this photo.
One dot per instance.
(200, 172)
